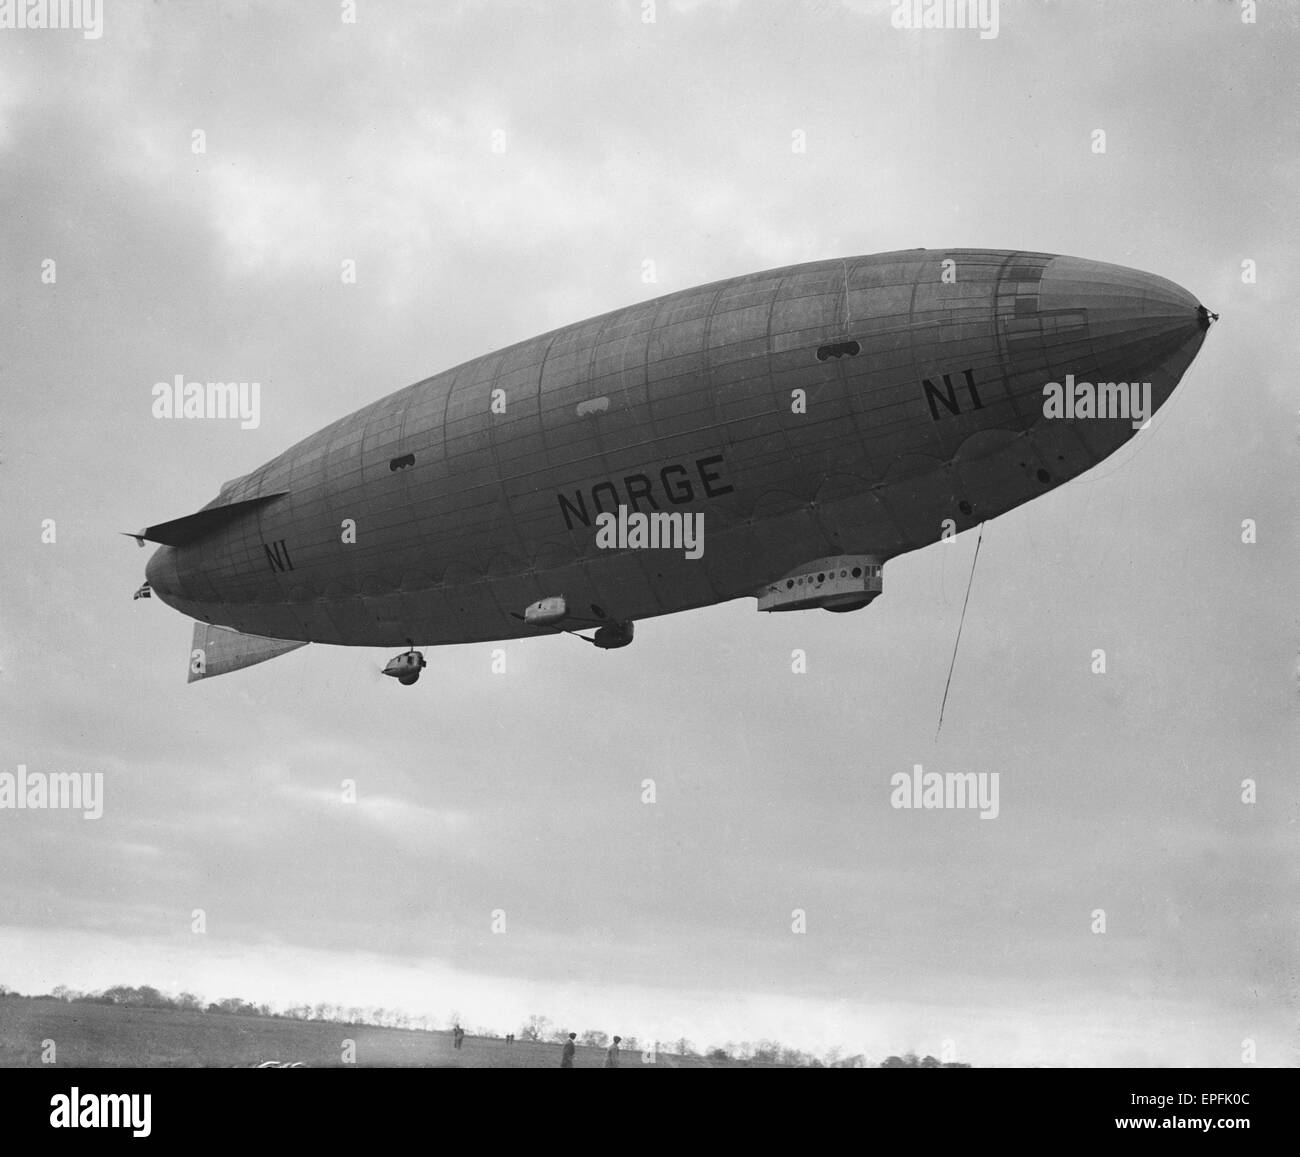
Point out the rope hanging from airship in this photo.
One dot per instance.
(969, 582)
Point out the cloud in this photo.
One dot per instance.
(407, 823)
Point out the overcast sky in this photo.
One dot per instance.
(626, 141)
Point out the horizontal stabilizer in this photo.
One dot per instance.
(182, 531)
(217, 650)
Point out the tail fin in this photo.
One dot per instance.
(180, 531)
(218, 650)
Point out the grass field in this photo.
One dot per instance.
(114, 1036)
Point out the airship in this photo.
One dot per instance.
(778, 436)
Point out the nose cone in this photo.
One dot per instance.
(1140, 326)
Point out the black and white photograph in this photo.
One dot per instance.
(897, 396)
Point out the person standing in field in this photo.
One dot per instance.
(611, 1057)
(566, 1057)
